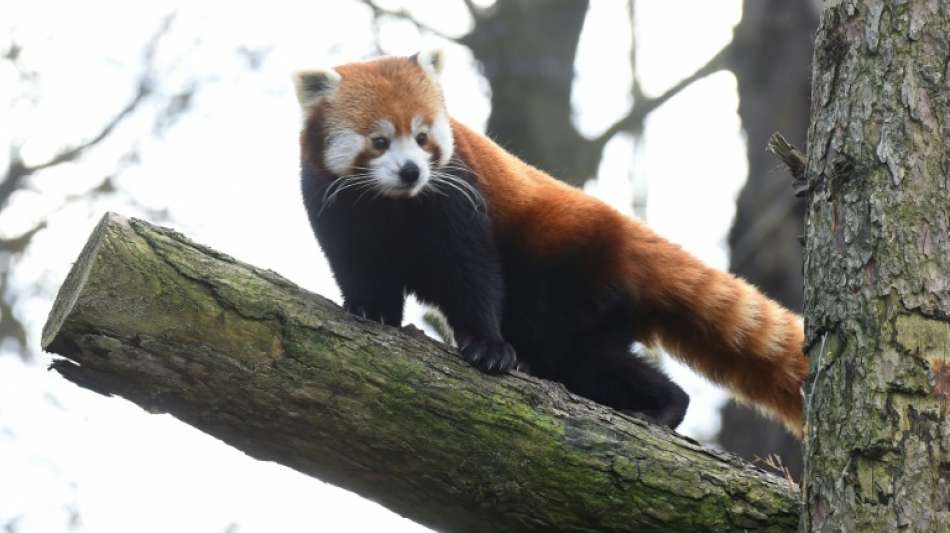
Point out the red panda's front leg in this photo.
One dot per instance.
(462, 276)
(469, 290)
(474, 313)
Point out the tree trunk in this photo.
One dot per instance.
(285, 375)
(877, 265)
(771, 59)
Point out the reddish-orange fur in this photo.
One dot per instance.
(718, 324)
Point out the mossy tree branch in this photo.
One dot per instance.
(285, 375)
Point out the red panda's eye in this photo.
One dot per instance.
(380, 143)
(422, 138)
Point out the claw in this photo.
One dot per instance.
(493, 357)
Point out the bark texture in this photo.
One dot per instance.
(878, 269)
(286, 375)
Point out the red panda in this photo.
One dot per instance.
(530, 272)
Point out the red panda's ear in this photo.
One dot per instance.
(431, 61)
(312, 85)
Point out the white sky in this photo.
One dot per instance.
(227, 173)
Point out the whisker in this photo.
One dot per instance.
(458, 168)
(349, 185)
(466, 193)
(343, 183)
(468, 186)
(343, 179)
(352, 184)
(443, 172)
(434, 188)
(371, 187)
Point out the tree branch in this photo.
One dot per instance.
(749, 243)
(379, 11)
(286, 375)
(633, 121)
(17, 171)
(16, 245)
(74, 152)
(10, 326)
(794, 160)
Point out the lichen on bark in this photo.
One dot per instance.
(877, 269)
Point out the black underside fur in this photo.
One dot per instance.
(506, 308)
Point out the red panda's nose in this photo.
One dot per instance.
(409, 173)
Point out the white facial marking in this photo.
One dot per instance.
(343, 145)
(402, 150)
(441, 135)
(418, 126)
(384, 128)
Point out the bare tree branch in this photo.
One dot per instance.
(16, 245)
(10, 326)
(793, 158)
(403, 14)
(13, 177)
(780, 206)
(74, 152)
(633, 121)
(17, 171)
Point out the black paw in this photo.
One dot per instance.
(493, 357)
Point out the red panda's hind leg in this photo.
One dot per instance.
(625, 382)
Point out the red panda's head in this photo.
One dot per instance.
(382, 120)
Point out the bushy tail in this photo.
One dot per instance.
(727, 330)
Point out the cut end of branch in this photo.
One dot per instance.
(76, 280)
